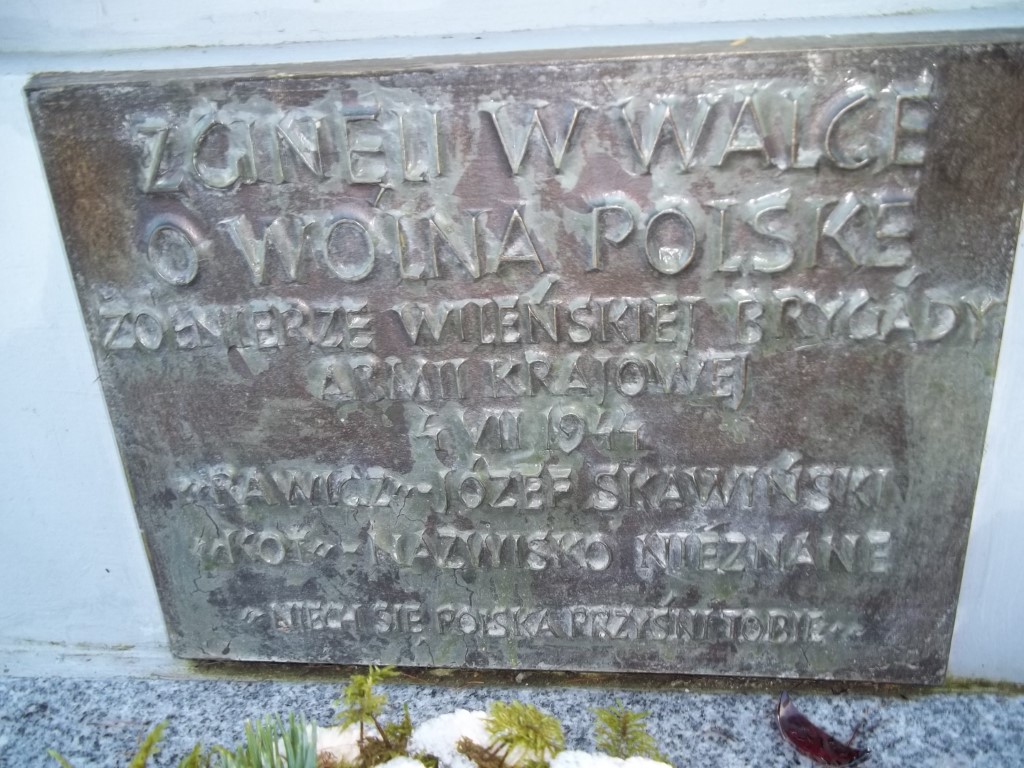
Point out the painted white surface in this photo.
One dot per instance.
(73, 571)
(988, 641)
(76, 595)
(104, 25)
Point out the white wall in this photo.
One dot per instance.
(76, 596)
(104, 25)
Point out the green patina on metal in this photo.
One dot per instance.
(671, 361)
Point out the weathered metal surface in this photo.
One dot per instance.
(664, 362)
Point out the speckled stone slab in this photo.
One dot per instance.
(98, 723)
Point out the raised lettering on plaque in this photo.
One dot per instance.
(658, 361)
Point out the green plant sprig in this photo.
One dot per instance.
(361, 704)
(516, 727)
(623, 733)
(262, 749)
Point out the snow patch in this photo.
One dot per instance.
(402, 762)
(572, 758)
(439, 736)
(341, 744)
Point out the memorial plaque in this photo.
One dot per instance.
(660, 360)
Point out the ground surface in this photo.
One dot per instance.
(100, 722)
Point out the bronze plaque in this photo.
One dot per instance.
(661, 360)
